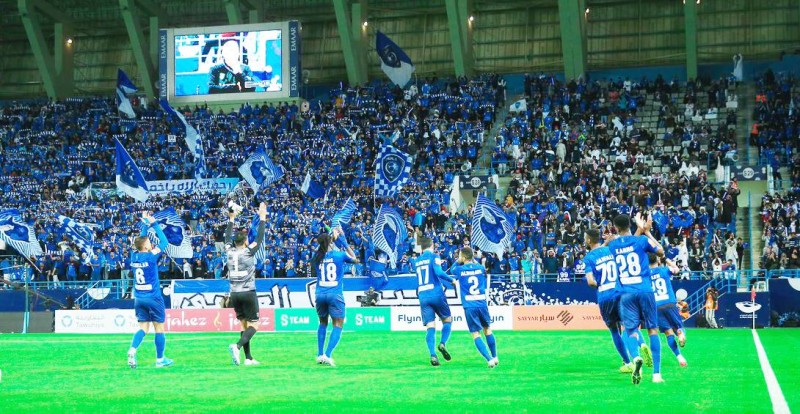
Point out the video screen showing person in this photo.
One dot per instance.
(231, 62)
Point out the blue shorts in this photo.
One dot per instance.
(477, 318)
(638, 309)
(150, 309)
(609, 310)
(669, 318)
(330, 304)
(431, 307)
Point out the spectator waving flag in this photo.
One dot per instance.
(389, 233)
(312, 188)
(129, 178)
(261, 254)
(18, 234)
(180, 244)
(79, 234)
(259, 171)
(519, 106)
(193, 140)
(661, 221)
(491, 228)
(345, 214)
(392, 171)
(124, 88)
(394, 62)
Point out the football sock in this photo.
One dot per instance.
(655, 347)
(482, 348)
(161, 343)
(430, 338)
(446, 327)
(640, 337)
(620, 345)
(632, 343)
(336, 334)
(138, 337)
(246, 347)
(246, 336)
(322, 331)
(492, 345)
(673, 345)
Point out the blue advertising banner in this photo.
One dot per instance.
(737, 311)
(295, 73)
(784, 300)
(162, 64)
(217, 185)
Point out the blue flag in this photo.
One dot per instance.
(345, 214)
(129, 178)
(491, 229)
(79, 234)
(389, 233)
(661, 221)
(124, 88)
(312, 188)
(682, 219)
(395, 63)
(193, 140)
(18, 234)
(392, 171)
(259, 171)
(261, 254)
(179, 244)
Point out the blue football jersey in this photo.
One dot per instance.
(662, 286)
(472, 282)
(331, 272)
(633, 265)
(429, 271)
(600, 263)
(144, 266)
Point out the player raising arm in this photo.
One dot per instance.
(242, 276)
(669, 320)
(328, 264)
(432, 302)
(148, 304)
(471, 278)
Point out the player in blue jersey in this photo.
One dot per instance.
(327, 266)
(601, 273)
(149, 303)
(669, 320)
(471, 279)
(637, 304)
(432, 302)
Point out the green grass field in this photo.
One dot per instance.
(574, 372)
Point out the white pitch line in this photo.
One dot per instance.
(779, 405)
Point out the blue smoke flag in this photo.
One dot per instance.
(18, 234)
(261, 254)
(661, 221)
(395, 63)
(124, 88)
(311, 187)
(179, 244)
(389, 233)
(491, 229)
(259, 171)
(79, 234)
(345, 214)
(129, 178)
(193, 140)
(392, 171)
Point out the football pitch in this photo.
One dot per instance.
(562, 372)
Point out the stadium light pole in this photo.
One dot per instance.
(144, 44)
(349, 18)
(690, 27)
(56, 68)
(460, 21)
(572, 18)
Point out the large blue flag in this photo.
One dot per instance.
(389, 233)
(392, 171)
(124, 88)
(18, 234)
(259, 171)
(261, 254)
(311, 187)
(395, 63)
(193, 140)
(661, 221)
(79, 234)
(491, 229)
(129, 178)
(345, 214)
(179, 244)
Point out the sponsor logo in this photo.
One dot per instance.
(369, 319)
(66, 321)
(286, 320)
(557, 317)
(565, 317)
(119, 321)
